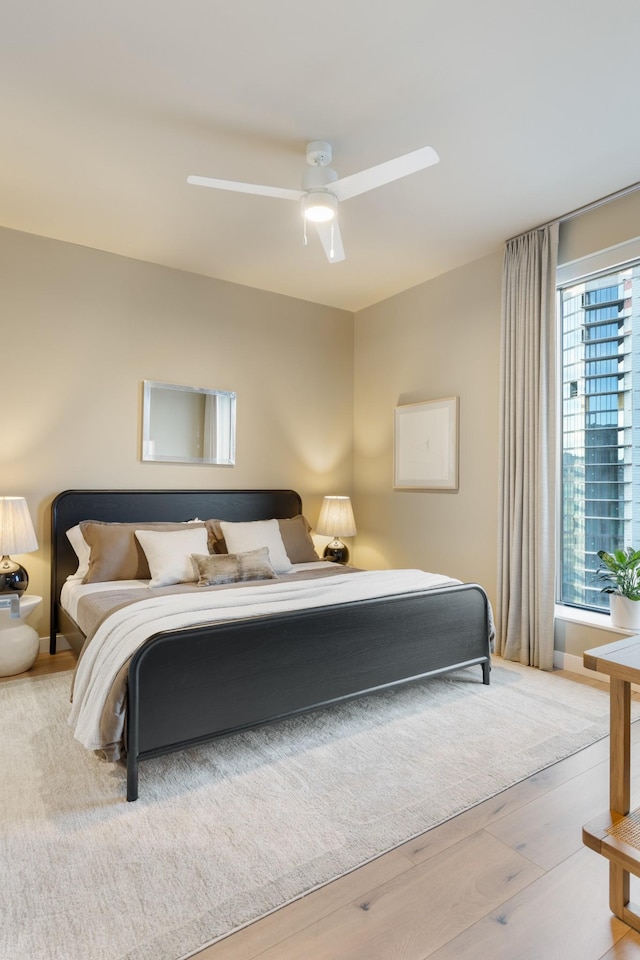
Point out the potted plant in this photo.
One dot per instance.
(620, 572)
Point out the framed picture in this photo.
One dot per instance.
(426, 445)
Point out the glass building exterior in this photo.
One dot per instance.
(600, 325)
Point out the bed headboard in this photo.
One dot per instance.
(133, 506)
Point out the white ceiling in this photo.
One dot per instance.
(108, 107)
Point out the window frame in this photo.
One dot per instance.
(591, 266)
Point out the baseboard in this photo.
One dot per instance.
(573, 664)
(61, 644)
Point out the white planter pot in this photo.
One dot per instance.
(625, 613)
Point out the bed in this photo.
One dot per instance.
(191, 684)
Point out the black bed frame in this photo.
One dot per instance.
(188, 686)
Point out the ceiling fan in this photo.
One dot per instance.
(321, 189)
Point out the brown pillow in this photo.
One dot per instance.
(215, 537)
(115, 551)
(233, 567)
(297, 540)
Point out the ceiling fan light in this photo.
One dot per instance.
(319, 207)
(318, 213)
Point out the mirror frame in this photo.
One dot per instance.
(147, 455)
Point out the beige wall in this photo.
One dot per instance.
(81, 331)
(437, 340)
(89, 327)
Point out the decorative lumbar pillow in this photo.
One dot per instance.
(233, 567)
(116, 554)
(297, 539)
(241, 537)
(82, 552)
(168, 553)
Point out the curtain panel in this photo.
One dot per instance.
(526, 541)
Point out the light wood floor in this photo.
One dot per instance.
(507, 880)
(65, 660)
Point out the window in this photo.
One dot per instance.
(600, 482)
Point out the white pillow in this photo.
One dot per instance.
(82, 551)
(241, 537)
(169, 552)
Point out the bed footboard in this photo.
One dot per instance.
(196, 684)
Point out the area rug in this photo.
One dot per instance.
(225, 833)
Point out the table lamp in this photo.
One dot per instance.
(16, 536)
(336, 520)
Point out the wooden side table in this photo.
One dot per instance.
(616, 834)
(19, 643)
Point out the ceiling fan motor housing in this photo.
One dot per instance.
(318, 178)
(319, 175)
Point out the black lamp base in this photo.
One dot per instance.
(13, 577)
(337, 551)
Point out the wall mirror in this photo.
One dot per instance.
(188, 424)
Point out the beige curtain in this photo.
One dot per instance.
(526, 544)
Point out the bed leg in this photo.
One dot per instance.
(132, 778)
(486, 672)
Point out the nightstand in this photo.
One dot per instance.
(19, 643)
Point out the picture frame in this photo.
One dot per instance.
(426, 445)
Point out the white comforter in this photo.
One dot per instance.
(120, 635)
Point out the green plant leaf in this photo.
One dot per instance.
(619, 571)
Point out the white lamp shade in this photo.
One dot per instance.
(16, 529)
(336, 518)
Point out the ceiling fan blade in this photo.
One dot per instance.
(331, 240)
(384, 173)
(280, 192)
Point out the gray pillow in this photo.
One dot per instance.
(233, 567)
